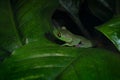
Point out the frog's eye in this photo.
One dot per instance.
(59, 34)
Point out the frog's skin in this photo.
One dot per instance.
(71, 39)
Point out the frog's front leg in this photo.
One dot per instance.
(67, 44)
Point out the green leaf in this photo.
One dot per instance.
(9, 36)
(23, 22)
(34, 61)
(111, 30)
(91, 66)
(103, 9)
(34, 18)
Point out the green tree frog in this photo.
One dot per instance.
(71, 39)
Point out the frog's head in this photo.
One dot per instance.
(62, 34)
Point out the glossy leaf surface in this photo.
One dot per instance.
(60, 63)
(111, 30)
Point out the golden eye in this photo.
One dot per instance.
(59, 34)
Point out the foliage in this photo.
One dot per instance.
(32, 56)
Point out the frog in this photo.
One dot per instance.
(70, 39)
